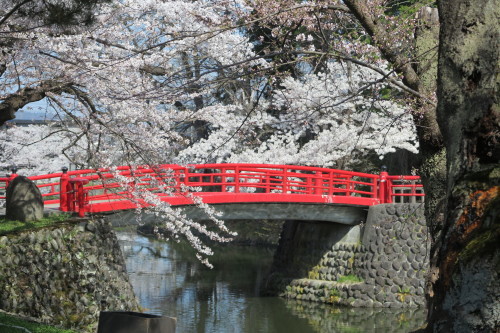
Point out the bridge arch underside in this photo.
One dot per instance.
(334, 213)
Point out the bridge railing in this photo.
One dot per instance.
(263, 178)
(405, 189)
(4, 182)
(80, 189)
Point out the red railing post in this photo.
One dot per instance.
(84, 201)
(413, 198)
(177, 181)
(81, 198)
(11, 177)
(284, 186)
(330, 183)
(14, 172)
(236, 180)
(223, 179)
(348, 186)
(374, 187)
(131, 188)
(318, 182)
(78, 195)
(382, 187)
(389, 195)
(309, 185)
(187, 172)
(267, 181)
(63, 190)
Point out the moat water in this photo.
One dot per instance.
(168, 280)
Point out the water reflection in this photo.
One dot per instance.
(168, 280)
(325, 318)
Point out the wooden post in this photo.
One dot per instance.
(11, 177)
(13, 174)
(77, 196)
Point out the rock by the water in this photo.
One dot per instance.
(23, 200)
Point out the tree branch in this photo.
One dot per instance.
(16, 101)
(400, 61)
(385, 74)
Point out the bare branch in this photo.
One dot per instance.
(59, 58)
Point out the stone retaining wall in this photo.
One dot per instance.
(64, 275)
(386, 267)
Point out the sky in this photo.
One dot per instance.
(36, 111)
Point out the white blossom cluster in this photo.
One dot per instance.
(36, 149)
(324, 118)
(176, 222)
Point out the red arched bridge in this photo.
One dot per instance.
(103, 190)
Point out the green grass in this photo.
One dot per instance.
(9, 226)
(6, 323)
(349, 279)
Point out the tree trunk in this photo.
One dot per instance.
(432, 167)
(466, 258)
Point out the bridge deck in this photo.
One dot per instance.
(350, 215)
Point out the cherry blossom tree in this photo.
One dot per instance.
(183, 81)
(21, 22)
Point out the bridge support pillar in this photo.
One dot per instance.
(382, 263)
(303, 244)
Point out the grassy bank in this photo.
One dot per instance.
(10, 324)
(9, 226)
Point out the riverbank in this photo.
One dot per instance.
(9, 226)
(64, 274)
(11, 323)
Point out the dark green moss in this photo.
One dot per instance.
(483, 244)
(349, 279)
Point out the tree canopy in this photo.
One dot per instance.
(210, 80)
